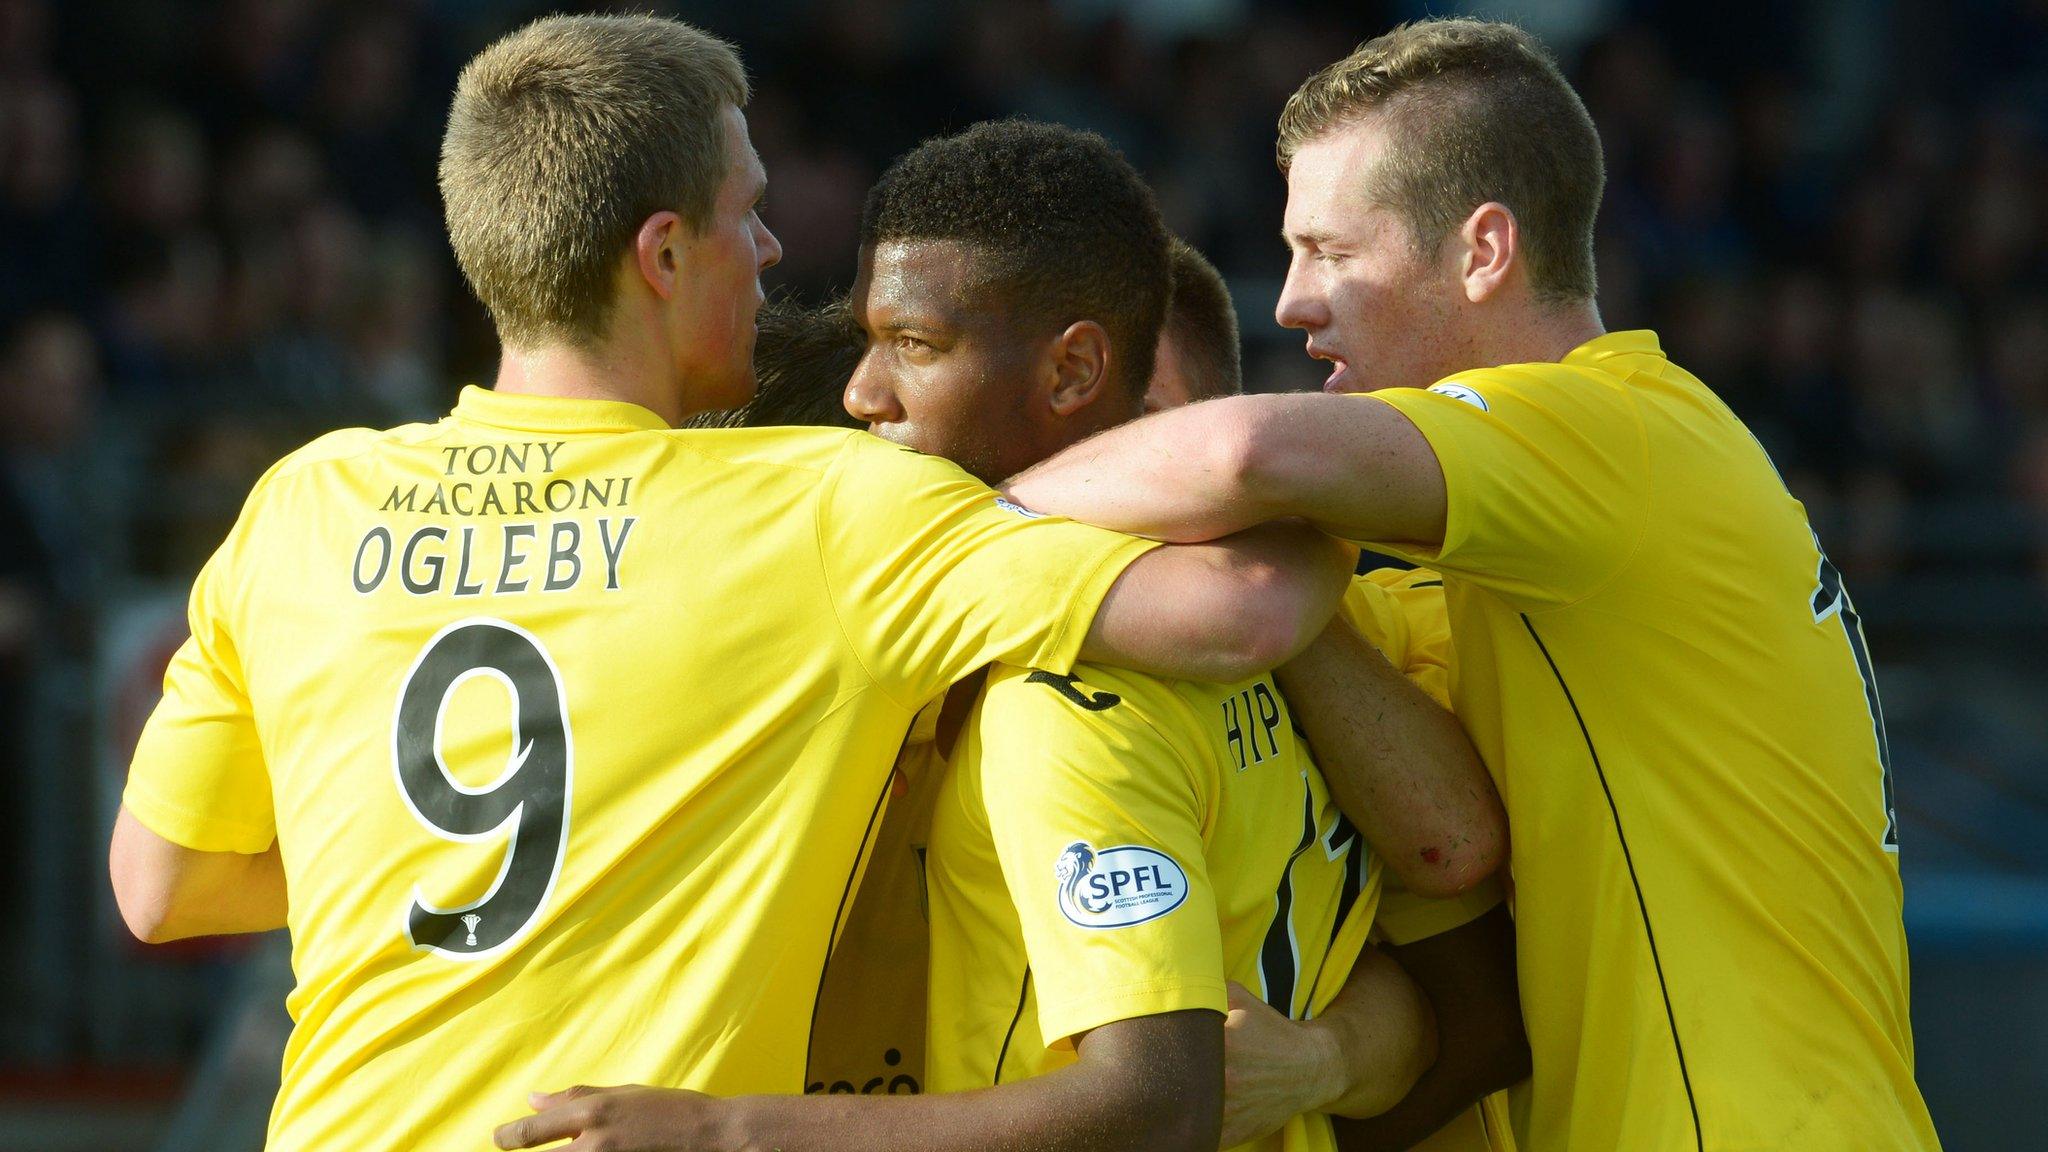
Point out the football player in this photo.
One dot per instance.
(1658, 662)
(1185, 815)
(554, 732)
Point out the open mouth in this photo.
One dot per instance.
(1339, 379)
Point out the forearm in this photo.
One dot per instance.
(1398, 764)
(1174, 476)
(1382, 1033)
(1070, 1110)
(1222, 611)
(1356, 468)
(166, 892)
(1151, 1083)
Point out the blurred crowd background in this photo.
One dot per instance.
(219, 236)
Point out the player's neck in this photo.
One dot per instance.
(604, 372)
(1543, 333)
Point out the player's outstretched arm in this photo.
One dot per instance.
(1468, 973)
(1150, 1084)
(1221, 611)
(167, 891)
(1355, 467)
(1398, 764)
(1359, 1058)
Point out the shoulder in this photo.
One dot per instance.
(1544, 384)
(810, 449)
(341, 445)
(867, 460)
(312, 462)
(1096, 703)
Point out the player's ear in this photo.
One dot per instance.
(1080, 365)
(1491, 245)
(658, 252)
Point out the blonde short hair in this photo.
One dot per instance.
(1477, 111)
(564, 136)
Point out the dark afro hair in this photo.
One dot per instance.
(1068, 228)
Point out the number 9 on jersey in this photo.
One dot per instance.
(531, 795)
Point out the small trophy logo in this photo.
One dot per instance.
(470, 922)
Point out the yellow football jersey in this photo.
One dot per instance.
(571, 728)
(1670, 686)
(1094, 833)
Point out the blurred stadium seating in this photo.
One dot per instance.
(219, 235)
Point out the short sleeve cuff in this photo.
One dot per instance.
(1063, 650)
(1059, 1019)
(1426, 410)
(188, 829)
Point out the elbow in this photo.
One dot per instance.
(1465, 850)
(1275, 632)
(145, 909)
(1454, 863)
(1433, 881)
(143, 893)
(1285, 604)
(1264, 628)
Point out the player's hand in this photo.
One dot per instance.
(630, 1119)
(1274, 1069)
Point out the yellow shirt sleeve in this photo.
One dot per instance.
(1404, 917)
(198, 778)
(1097, 821)
(1543, 477)
(933, 576)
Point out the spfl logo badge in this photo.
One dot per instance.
(1461, 392)
(1008, 506)
(1117, 887)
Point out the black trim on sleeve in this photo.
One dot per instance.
(1003, 1053)
(867, 839)
(1699, 1141)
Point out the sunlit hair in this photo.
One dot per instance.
(564, 137)
(1475, 111)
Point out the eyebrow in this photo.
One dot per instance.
(1307, 236)
(898, 321)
